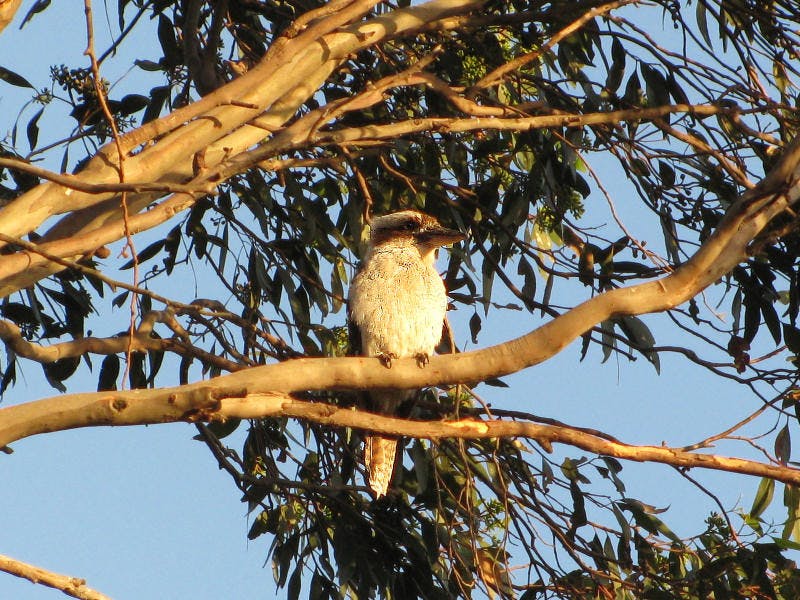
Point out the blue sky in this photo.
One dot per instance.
(145, 512)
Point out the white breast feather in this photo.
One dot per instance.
(398, 303)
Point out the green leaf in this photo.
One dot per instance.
(763, 497)
(608, 339)
(666, 173)
(791, 500)
(656, 86)
(263, 523)
(474, 327)
(487, 279)
(171, 244)
(772, 319)
(783, 445)
(14, 79)
(640, 338)
(644, 518)
(617, 69)
(791, 337)
(132, 103)
(109, 372)
(148, 65)
(32, 130)
(144, 255)
(19, 313)
(9, 376)
(158, 97)
(38, 7)
(529, 286)
(633, 91)
(786, 544)
(578, 517)
(293, 587)
(166, 35)
(702, 22)
(421, 466)
(223, 429)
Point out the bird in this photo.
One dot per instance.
(396, 309)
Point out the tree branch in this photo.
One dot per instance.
(74, 182)
(207, 402)
(140, 341)
(71, 586)
(370, 133)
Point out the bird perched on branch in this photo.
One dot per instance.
(396, 309)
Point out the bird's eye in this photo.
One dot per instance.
(410, 225)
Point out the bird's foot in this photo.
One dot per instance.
(386, 358)
(422, 359)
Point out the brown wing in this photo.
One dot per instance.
(446, 345)
(354, 337)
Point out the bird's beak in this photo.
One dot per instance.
(440, 236)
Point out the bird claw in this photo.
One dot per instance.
(422, 359)
(386, 358)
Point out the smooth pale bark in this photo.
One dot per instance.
(201, 402)
(71, 586)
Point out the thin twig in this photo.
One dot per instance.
(129, 244)
(75, 183)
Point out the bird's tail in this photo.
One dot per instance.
(380, 454)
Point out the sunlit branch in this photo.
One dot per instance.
(207, 402)
(139, 341)
(354, 135)
(703, 148)
(304, 132)
(21, 269)
(73, 182)
(71, 586)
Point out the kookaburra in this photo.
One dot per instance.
(396, 309)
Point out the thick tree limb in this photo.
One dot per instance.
(21, 270)
(202, 403)
(140, 341)
(71, 586)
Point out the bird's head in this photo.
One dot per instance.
(412, 228)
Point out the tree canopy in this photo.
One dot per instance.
(607, 160)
